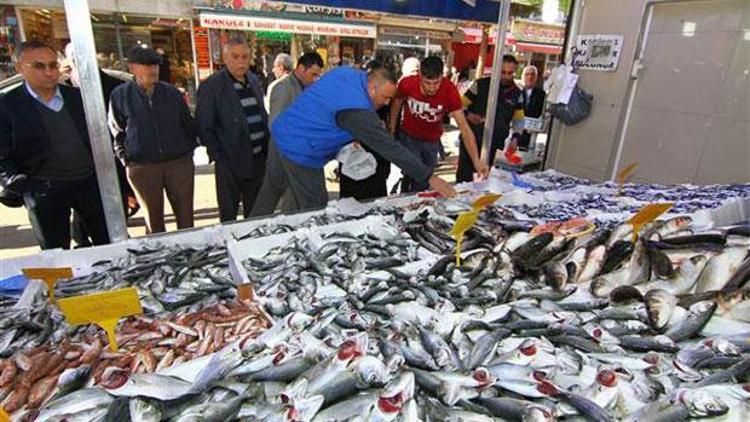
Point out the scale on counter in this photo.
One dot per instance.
(532, 158)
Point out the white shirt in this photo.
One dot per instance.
(55, 104)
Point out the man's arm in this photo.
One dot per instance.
(280, 99)
(396, 105)
(205, 116)
(8, 168)
(366, 127)
(117, 125)
(186, 120)
(470, 143)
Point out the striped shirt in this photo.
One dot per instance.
(251, 108)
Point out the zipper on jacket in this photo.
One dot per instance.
(153, 123)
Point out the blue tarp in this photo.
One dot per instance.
(484, 11)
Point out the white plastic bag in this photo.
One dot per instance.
(356, 163)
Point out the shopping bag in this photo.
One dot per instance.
(577, 108)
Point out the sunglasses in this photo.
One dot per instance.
(44, 66)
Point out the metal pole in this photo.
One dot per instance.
(489, 124)
(195, 53)
(21, 23)
(82, 36)
(118, 38)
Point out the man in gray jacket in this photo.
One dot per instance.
(233, 125)
(281, 94)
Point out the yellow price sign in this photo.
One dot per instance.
(463, 223)
(646, 215)
(50, 276)
(624, 175)
(103, 309)
(245, 291)
(4, 415)
(485, 201)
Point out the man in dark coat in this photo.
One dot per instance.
(45, 152)
(233, 125)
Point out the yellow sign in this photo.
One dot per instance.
(103, 309)
(646, 215)
(485, 201)
(245, 291)
(4, 416)
(463, 223)
(624, 175)
(50, 276)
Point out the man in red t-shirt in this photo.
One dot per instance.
(429, 97)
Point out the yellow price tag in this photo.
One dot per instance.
(245, 291)
(103, 309)
(463, 223)
(624, 175)
(50, 276)
(646, 215)
(4, 415)
(485, 201)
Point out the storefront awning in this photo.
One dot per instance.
(481, 11)
(538, 48)
(263, 23)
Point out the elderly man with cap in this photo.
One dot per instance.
(154, 139)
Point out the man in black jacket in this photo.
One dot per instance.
(154, 139)
(45, 153)
(533, 98)
(233, 125)
(509, 108)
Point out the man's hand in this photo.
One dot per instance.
(474, 118)
(482, 170)
(17, 184)
(442, 187)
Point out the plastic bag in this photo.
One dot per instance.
(356, 163)
(577, 108)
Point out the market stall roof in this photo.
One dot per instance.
(482, 11)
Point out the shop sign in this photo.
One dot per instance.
(537, 32)
(273, 35)
(598, 52)
(413, 32)
(202, 53)
(253, 23)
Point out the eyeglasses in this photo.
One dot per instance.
(44, 66)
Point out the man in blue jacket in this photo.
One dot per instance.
(233, 126)
(154, 139)
(327, 116)
(45, 152)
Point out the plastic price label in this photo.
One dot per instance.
(485, 201)
(4, 415)
(50, 276)
(463, 223)
(646, 215)
(624, 175)
(245, 291)
(103, 309)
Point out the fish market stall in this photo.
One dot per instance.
(365, 311)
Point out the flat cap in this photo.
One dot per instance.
(141, 55)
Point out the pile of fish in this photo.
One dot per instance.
(686, 198)
(33, 376)
(168, 278)
(533, 324)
